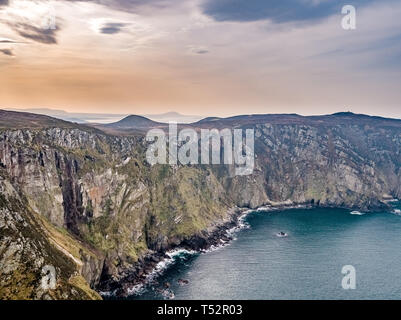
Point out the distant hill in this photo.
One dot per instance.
(321, 120)
(134, 122)
(74, 117)
(209, 119)
(173, 116)
(26, 120)
(102, 118)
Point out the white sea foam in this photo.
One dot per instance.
(260, 209)
(280, 235)
(106, 293)
(241, 224)
(159, 269)
(283, 207)
(397, 211)
(137, 289)
(177, 252)
(165, 263)
(265, 208)
(357, 213)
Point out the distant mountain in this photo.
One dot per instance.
(107, 117)
(137, 123)
(22, 120)
(209, 119)
(74, 117)
(134, 122)
(173, 116)
(45, 111)
(290, 119)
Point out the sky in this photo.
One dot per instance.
(203, 57)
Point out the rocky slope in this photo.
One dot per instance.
(28, 245)
(110, 216)
(352, 166)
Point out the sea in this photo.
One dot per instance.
(320, 250)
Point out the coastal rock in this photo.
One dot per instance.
(122, 216)
(183, 282)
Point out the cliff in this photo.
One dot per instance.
(107, 216)
(347, 165)
(27, 245)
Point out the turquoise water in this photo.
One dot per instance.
(305, 265)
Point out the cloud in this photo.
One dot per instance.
(202, 51)
(132, 5)
(112, 27)
(7, 52)
(197, 50)
(265, 65)
(46, 36)
(8, 41)
(277, 11)
(34, 20)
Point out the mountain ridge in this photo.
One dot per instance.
(21, 119)
(98, 188)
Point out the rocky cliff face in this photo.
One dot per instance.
(96, 191)
(28, 247)
(348, 166)
(100, 189)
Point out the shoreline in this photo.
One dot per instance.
(154, 264)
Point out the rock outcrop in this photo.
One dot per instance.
(27, 248)
(105, 215)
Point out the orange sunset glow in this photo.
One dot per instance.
(157, 56)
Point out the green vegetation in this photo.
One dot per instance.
(32, 243)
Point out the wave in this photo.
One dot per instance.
(241, 224)
(397, 212)
(163, 265)
(159, 269)
(358, 213)
(172, 255)
(269, 208)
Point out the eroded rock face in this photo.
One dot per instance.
(341, 166)
(101, 189)
(25, 252)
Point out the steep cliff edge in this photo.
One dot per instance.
(346, 165)
(100, 189)
(28, 247)
(97, 192)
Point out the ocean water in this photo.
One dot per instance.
(305, 265)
